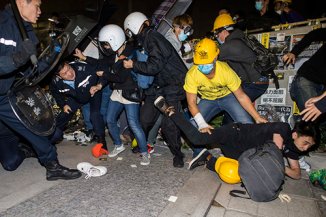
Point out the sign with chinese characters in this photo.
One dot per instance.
(274, 96)
(275, 113)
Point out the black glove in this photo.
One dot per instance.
(25, 50)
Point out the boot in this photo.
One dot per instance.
(101, 139)
(55, 171)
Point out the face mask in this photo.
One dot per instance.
(182, 36)
(206, 68)
(259, 6)
(279, 12)
(220, 41)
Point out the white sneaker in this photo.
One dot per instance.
(90, 170)
(304, 165)
(145, 159)
(117, 150)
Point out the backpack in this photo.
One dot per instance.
(262, 172)
(143, 81)
(266, 60)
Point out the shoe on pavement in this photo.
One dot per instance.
(117, 150)
(304, 165)
(178, 162)
(162, 105)
(91, 170)
(145, 159)
(150, 148)
(199, 160)
(55, 171)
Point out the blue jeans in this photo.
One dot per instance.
(229, 104)
(106, 93)
(303, 89)
(132, 112)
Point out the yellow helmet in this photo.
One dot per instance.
(205, 51)
(227, 170)
(223, 20)
(284, 1)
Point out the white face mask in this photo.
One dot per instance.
(279, 12)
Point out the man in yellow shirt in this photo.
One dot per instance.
(219, 88)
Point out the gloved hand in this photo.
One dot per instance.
(25, 50)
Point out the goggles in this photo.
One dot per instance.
(186, 29)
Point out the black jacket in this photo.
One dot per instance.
(10, 39)
(239, 56)
(118, 77)
(313, 69)
(85, 78)
(164, 63)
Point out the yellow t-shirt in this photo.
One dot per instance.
(223, 83)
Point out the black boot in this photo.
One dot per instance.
(101, 139)
(55, 171)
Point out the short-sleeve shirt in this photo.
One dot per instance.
(222, 84)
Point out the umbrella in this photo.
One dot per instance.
(78, 28)
(168, 9)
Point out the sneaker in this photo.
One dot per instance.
(117, 150)
(145, 159)
(150, 148)
(199, 160)
(162, 105)
(90, 170)
(304, 165)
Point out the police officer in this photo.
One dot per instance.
(71, 89)
(14, 58)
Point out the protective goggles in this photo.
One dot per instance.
(186, 29)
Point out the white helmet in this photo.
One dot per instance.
(112, 34)
(133, 23)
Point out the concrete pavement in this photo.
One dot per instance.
(144, 191)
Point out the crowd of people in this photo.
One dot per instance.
(212, 76)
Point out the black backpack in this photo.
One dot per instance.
(262, 172)
(266, 60)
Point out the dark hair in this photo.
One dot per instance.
(307, 128)
(182, 20)
(59, 67)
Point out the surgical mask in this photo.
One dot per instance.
(279, 12)
(220, 41)
(259, 6)
(206, 68)
(182, 36)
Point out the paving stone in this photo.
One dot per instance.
(297, 187)
(301, 207)
(223, 197)
(232, 213)
(273, 208)
(215, 211)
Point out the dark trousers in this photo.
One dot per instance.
(45, 150)
(95, 117)
(171, 133)
(10, 155)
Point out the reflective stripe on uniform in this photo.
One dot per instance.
(7, 42)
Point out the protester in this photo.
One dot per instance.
(113, 39)
(219, 88)
(233, 139)
(310, 79)
(178, 35)
(14, 59)
(287, 14)
(165, 64)
(262, 18)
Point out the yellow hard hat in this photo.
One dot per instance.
(223, 20)
(227, 170)
(285, 1)
(205, 51)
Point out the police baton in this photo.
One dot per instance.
(21, 27)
